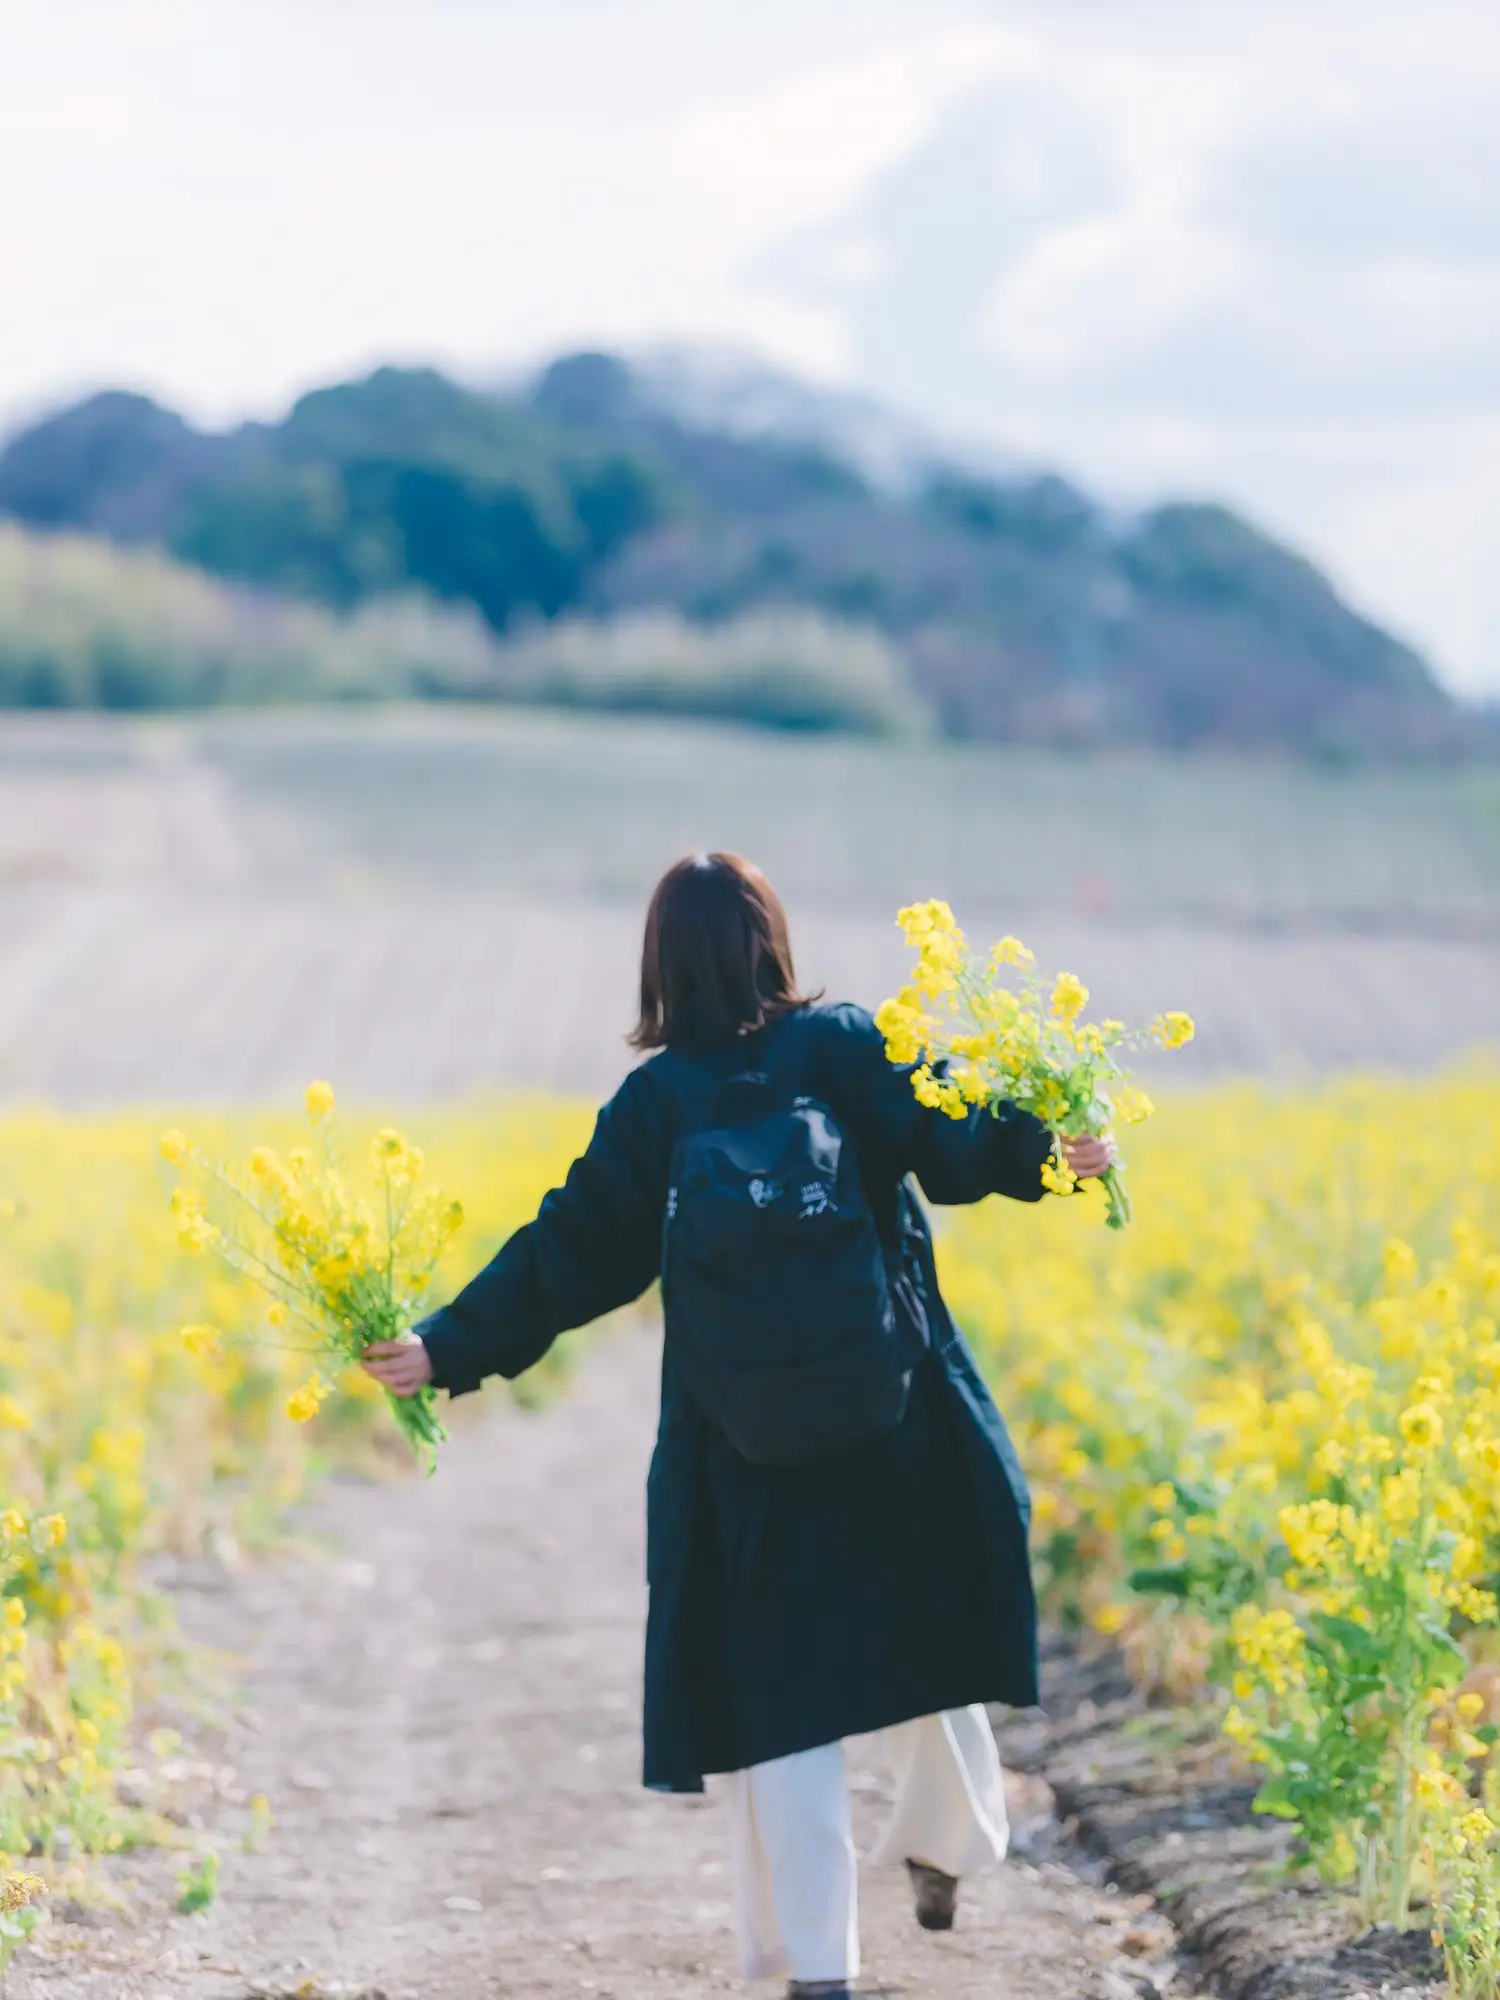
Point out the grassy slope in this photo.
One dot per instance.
(421, 904)
(578, 806)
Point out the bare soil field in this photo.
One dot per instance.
(423, 905)
(440, 1696)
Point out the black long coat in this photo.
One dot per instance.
(792, 1606)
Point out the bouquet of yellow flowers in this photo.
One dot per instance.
(978, 1039)
(343, 1269)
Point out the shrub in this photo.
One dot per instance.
(86, 625)
(785, 669)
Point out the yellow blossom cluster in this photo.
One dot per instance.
(17, 1891)
(342, 1269)
(971, 1040)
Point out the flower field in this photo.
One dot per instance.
(122, 1441)
(1263, 1426)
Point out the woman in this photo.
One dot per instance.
(882, 1586)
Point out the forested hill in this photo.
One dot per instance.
(1022, 608)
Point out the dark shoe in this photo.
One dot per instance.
(838, 1989)
(937, 1896)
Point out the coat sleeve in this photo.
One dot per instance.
(955, 1159)
(595, 1245)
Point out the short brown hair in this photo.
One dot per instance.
(717, 958)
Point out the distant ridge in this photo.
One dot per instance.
(1023, 609)
(707, 388)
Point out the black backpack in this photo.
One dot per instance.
(777, 1296)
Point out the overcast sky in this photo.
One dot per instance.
(1206, 246)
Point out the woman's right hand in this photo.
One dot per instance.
(1089, 1157)
(402, 1366)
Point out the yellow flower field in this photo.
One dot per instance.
(132, 1421)
(1263, 1427)
(1274, 1231)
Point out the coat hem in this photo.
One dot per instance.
(880, 1716)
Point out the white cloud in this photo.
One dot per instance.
(1274, 276)
(1252, 248)
(224, 241)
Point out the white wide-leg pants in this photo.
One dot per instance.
(791, 1846)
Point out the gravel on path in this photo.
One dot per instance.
(444, 1698)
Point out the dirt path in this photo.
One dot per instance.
(445, 1718)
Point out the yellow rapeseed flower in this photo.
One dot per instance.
(920, 921)
(1069, 996)
(901, 1025)
(1436, 1787)
(16, 1891)
(304, 1403)
(1174, 1030)
(1010, 951)
(319, 1099)
(1401, 1497)
(1398, 1261)
(1422, 1427)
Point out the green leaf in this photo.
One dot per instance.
(1176, 1582)
(1354, 1639)
(198, 1887)
(1274, 1798)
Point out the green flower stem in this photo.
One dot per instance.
(417, 1420)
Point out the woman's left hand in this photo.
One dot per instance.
(402, 1366)
(1089, 1157)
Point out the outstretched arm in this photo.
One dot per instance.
(594, 1245)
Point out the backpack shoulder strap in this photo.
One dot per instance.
(691, 1083)
(787, 1062)
(697, 1086)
